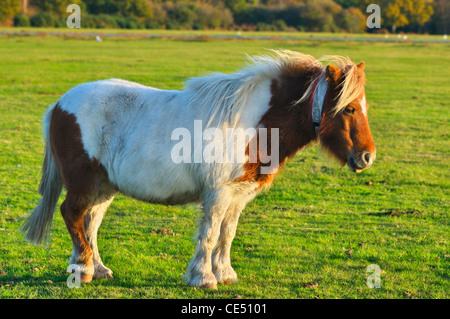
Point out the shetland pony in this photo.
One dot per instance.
(116, 136)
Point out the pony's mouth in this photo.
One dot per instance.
(351, 164)
(358, 166)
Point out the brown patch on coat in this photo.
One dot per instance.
(252, 171)
(85, 179)
(293, 121)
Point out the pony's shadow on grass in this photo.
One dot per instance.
(46, 279)
(168, 282)
(50, 279)
(397, 213)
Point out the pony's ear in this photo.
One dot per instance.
(361, 66)
(333, 73)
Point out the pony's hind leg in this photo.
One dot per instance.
(83, 214)
(92, 221)
(73, 210)
(215, 205)
(85, 179)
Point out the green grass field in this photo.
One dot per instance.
(394, 215)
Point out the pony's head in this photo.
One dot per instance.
(344, 129)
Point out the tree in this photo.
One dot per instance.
(395, 14)
(348, 3)
(55, 7)
(319, 15)
(9, 8)
(24, 6)
(419, 12)
(352, 20)
(399, 13)
(236, 5)
(136, 8)
(440, 23)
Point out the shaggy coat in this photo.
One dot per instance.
(116, 136)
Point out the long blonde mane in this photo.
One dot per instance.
(223, 95)
(351, 87)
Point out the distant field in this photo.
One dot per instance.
(243, 34)
(394, 215)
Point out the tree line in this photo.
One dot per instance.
(419, 16)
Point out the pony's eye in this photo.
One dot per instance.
(349, 110)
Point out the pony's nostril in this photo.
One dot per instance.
(367, 157)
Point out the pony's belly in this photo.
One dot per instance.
(159, 186)
(175, 199)
(171, 197)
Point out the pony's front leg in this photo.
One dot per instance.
(215, 204)
(221, 261)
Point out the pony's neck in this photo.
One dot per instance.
(292, 119)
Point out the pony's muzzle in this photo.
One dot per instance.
(360, 161)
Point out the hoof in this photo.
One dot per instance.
(206, 281)
(102, 272)
(229, 281)
(103, 275)
(86, 278)
(212, 286)
(226, 275)
(84, 272)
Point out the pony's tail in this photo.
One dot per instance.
(38, 223)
